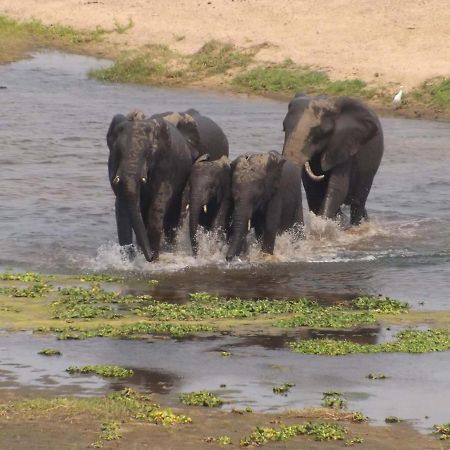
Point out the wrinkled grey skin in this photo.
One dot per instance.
(266, 192)
(343, 140)
(149, 164)
(208, 196)
(202, 134)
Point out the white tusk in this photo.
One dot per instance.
(187, 207)
(311, 173)
(116, 179)
(205, 208)
(144, 180)
(249, 224)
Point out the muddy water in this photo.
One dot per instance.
(56, 206)
(57, 215)
(246, 378)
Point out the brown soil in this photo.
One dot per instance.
(63, 429)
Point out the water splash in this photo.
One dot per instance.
(321, 240)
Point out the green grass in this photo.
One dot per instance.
(109, 431)
(409, 341)
(434, 92)
(200, 398)
(102, 371)
(333, 400)
(28, 277)
(38, 289)
(289, 78)
(383, 305)
(45, 34)
(317, 431)
(216, 57)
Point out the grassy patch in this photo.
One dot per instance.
(409, 341)
(38, 289)
(123, 28)
(282, 389)
(443, 431)
(318, 431)
(200, 398)
(333, 400)
(384, 305)
(290, 78)
(50, 352)
(435, 92)
(220, 440)
(125, 405)
(102, 371)
(109, 431)
(100, 278)
(216, 57)
(353, 441)
(150, 66)
(28, 277)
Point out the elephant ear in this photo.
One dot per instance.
(354, 125)
(113, 129)
(188, 128)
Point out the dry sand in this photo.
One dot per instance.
(403, 42)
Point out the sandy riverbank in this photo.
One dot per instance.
(385, 43)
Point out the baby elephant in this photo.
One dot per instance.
(266, 191)
(208, 195)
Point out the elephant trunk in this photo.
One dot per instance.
(240, 229)
(133, 200)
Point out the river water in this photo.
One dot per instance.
(57, 215)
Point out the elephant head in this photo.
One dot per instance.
(334, 128)
(209, 195)
(255, 179)
(132, 141)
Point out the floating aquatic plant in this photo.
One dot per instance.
(334, 400)
(282, 389)
(385, 305)
(201, 398)
(103, 371)
(50, 352)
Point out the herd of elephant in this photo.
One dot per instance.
(173, 164)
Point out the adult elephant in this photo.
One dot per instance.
(208, 196)
(203, 135)
(339, 142)
(149, 164)
(266, 192)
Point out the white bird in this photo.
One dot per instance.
(397, 100)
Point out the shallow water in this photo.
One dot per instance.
(56, 206)
(255, 366)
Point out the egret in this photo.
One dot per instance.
(397, 100)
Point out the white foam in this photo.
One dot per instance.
(324, 241)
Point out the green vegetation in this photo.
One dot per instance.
(392, 419)
(353, 441)
(290, 78)
(318, 431)
(408, 341)
(200, 398)
(377, 376)
(282, 389)
(102, 371)
(358, 417)
(28, 277)
(110, 431)
(225, 354)
(384, 305)
(153, 283)
(120, 29)
(50, 352)
(434, 92)
(442, 430)
(221, 440)
(333, 400)
(38, 289)
(100, 278)
(216, 57)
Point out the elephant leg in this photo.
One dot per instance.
(271, 225)
(337, 190)
(358, 210)
(172, 219)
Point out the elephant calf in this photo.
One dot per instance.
(266, 192)
(208, 196)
